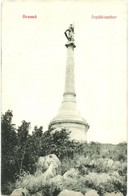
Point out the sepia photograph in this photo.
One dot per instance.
(64, 98)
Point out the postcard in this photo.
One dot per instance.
(64, 92)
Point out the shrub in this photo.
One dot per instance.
(8, 187)
(75, 184)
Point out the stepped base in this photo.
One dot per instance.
(71, 120)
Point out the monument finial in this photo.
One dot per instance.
(69, 33)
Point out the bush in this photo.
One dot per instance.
(75, 184)
(8, 187)
(36, 183)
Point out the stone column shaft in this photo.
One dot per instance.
(69, 91)
(69, 77)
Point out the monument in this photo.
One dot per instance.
(68, 115)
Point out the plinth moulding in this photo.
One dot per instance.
(68, 116)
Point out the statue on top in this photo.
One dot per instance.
(69, 33)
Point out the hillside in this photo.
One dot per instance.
(80, 166)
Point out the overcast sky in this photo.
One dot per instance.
(34, 62)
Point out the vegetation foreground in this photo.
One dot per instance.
(79, 166)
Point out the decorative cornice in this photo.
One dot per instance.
(69, 93)
(69, 121)
(70, 43)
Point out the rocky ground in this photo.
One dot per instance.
(47, 181)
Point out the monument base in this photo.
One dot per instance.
(77, 128)
(70, 118)
(78, 131)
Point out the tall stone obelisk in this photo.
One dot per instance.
(68, 115)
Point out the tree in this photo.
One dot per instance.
(34, 148)
(8, 143)
(56, 142)
(21, 148)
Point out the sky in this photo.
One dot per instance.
(34, 62)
